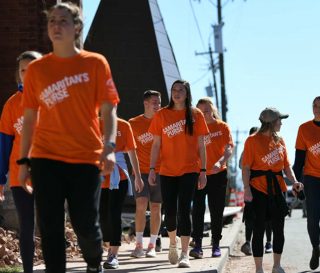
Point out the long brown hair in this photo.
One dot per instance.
(188, 105)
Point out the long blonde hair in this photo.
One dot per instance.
(269, 126)
(214, 109)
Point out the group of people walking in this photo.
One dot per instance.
(61, 129)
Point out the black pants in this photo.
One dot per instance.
(111, 204)
(216, 190)
(312, 191)
(24, 203)
(260, 205)
(177, 194)
(79, 184)
(249, 228)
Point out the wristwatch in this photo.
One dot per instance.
(24, 161)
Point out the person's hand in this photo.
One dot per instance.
(138, 184)
(202, 180)
(247, 194)
(107, 161)
(24, 177)
(152, 177)
(297, 187)
(2, 193)
(217, 167)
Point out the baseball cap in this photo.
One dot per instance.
(271, 114)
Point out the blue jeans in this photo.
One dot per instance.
(24, 203)
(54, 182)
(312, 192)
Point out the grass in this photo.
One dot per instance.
(13, 269)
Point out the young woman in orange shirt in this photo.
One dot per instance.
(61, 138)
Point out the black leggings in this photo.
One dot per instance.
(24, 203)
(54, 182)
(312, 191)
(260, 205)
(111, 204)
(216, 190)
(177, 194)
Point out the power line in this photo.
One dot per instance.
(197, 24)
(199, 79)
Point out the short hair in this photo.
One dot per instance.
(149, 93)
(26, 55)
(315, 99)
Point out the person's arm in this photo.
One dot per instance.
(29, 122)
(154, 154)
(109, 117)
(246, 183)
(299, 163)
(138, 182)
(223, 160)
(6, 143)
(297, 186)
(203, 161)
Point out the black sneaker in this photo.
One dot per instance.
(246, 249)
(314, 261)
(94, 269)
(158, 247)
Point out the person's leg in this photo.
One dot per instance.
(169, 190)
(198, 211)
(312, 192)
(24, 203)
(187, 185)
(155, 211)
(217, 185)
(142, 199)
(83, 196)
(116, 201)
(277, 224)
(260, 208)
(104, 214)
(268, 245)
(49, 192)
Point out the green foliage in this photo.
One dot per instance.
(13, 269)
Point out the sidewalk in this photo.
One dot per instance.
(161, 264)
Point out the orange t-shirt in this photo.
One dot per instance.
(308, 140)
(179, 151)
(11, 124)
(68, 93)
(124, 142)
(144, 139)
(262, 153)
(219, 136)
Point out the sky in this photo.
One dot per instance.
(271, 60)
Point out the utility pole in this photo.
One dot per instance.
(224, 108)
(213, 69)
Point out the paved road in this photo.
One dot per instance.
(296, 254)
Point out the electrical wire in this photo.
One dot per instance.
(200, 78)
(197, 24)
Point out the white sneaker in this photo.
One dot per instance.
(138, 252)
(184, 260)
(278, 269)
(151, 251)
(173, 255)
